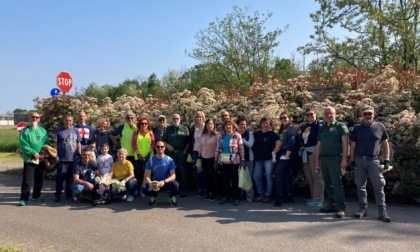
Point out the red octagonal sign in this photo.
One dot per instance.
(64, 82)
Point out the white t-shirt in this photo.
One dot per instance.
(197, 135)
(104, 163)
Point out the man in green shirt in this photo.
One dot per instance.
(175, 138)
(32, 139)
(126, 131)
(331, 154)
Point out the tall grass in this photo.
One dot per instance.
(9, 140)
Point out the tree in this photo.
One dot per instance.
(128, 87)
(20, 111)
(286, 68)
(379, 33)
(150, 86)
(99, 92)
(236, 48)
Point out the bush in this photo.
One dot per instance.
(392, 92)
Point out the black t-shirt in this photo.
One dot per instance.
(264, 144)
(368, 138)
(84, 171)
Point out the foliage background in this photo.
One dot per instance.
(391, 91)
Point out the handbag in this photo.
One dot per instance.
(245, 181)
(225, 158)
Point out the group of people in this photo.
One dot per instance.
(154, 159)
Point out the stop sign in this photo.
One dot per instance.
(20, 126)
(64, 82)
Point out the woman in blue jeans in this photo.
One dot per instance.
(266, 145)
(283, 181)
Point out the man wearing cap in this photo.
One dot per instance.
(331, 154)
(85, 131)
(32, 139)
(126, 131)
(176, 141)
(365, 144)
(160, 127)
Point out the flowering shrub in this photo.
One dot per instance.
(393, 93)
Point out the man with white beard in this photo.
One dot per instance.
(32, 139)
(176, 139)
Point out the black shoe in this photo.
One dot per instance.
(289, 199)
(278, 203)
(258, 198)
(328, 209)
(361, 213)
(183, 194)
(384, 216)
(57, 198)
(152, 201)
(223, 201)
(210, 197)
(236, 202)
(266, 199)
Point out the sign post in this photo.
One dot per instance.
(64, 82)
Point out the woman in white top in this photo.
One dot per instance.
(196, 131)
(248, 140)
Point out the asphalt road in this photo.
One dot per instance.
(196, 225)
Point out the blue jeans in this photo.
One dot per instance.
(282, 179)
(172, 187)
(200, 176)
(64, 173)
(262, 166)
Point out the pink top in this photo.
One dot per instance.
(207, 146)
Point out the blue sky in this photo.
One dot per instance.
(107, 42)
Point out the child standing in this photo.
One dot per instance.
(92, 146)
(104, 162)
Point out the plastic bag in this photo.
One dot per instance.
(199, 165)
(245, 181)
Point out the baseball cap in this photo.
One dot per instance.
(129, 114)
(368, 109)
(161, 117)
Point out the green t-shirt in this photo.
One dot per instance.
(176, 136)
(330, 138)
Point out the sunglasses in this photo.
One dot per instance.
(35, 117)
(310, 114)
(143, 123)
(367, 114)
(160, 147)
(283, 118)
(130, 118)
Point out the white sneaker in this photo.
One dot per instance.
(130, 198)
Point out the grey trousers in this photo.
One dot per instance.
(369, 168)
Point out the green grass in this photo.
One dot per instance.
(10, 158)
(9, 140)
(10, 249)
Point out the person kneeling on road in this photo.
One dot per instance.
(160, 168)
(123, 171)
(83, 177)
